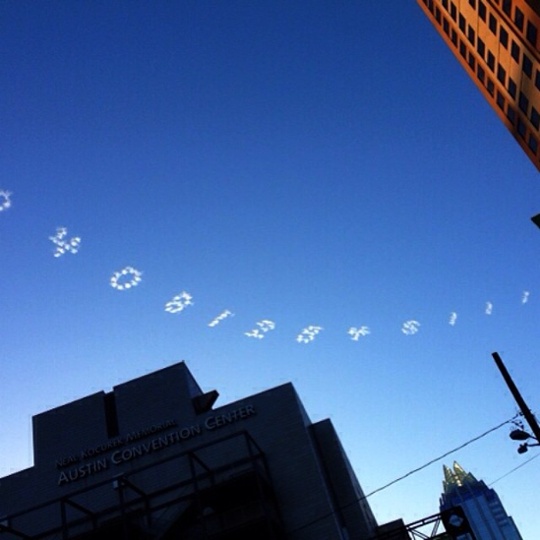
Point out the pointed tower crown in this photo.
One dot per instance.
(457, 476)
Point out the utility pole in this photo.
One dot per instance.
(529, 417)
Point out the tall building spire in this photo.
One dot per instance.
(449, 478)
(462, 475)
(481, 505)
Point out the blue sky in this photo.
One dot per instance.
(309, 163)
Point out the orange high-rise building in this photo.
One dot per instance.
(498, 44)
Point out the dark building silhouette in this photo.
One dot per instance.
(498, 44)
(153, 459)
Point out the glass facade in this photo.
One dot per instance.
(481, 505)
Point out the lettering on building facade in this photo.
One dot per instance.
(121, 451)
(88, 453)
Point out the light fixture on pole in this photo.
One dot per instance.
(519, 434)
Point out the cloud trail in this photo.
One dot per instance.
(223, 315)
(355, 333)
(126, 278)
(308, 334)
(453, 318)
(179, 302)
(63, 245)
(489, 308)
(410, 327)
(255, 333)
(264, 326)
(5, 200)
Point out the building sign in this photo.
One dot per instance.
(121, 449)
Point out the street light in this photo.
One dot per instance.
(520, 434)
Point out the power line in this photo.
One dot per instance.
(329, 514)
(515, 469)
(439, 458)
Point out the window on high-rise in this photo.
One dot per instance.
(507, 7)
(482, 10)
(480, 73)
(512, 87)
(492, 24)
(533, 143)
(490, 86)
(511, 115)
(523, 102)
(535, 118)
(537, 79)
(501, 74)
(462, 49)
(503, 37)
(515, 51)
(453, 11)
(532, 33)
(462, 23)
(472, 3)
(519, 18)
(500, 100)
(491, 61)
(480, 47)
(446, 26)
(445, 4)
(521, 127)
(527, 65)
(472, 61)
(471, 35)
